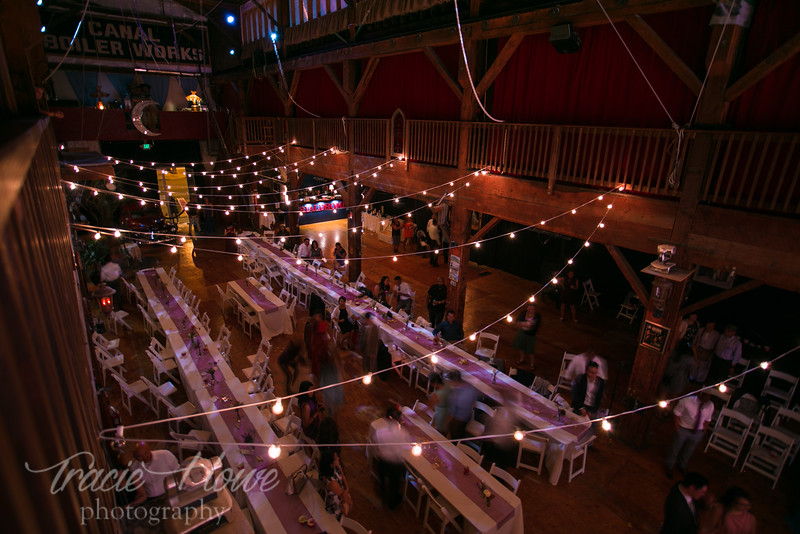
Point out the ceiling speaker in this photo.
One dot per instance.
(565, 39)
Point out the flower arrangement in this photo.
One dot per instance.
(486, 493)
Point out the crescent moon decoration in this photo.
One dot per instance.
(136, 117)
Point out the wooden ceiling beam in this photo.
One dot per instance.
(485, 229)
(770, 63)
(361, 88)
(629, 273)
(338, 83)
(582, 14)
(499, 63)
(654, 41)
(719, 297)
(443, 72)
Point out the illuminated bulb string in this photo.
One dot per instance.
(278, 407)
(283, 77)
(394, 257)
(116, 433)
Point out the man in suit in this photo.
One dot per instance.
(587, 391)
(680, 508)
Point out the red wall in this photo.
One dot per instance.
(111, 125)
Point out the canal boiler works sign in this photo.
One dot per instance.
(115, 42)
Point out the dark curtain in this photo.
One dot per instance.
(265, 103)
(770, 104)
(84, 83)
(318, 94)
(600, 84)
(409, 82)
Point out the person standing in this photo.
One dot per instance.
(437, 301)
(703, 349)
(288, 362)
(391, 458)
(439, 401)
(727, 354)
(692, 416)
(403, 294)
(525, 340)
(569, 294)
(397, 228)
(680, 508)
(436, 240)
(462, 399)
(150, 470)
(680, 359)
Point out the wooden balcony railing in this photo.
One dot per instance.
(749, 170)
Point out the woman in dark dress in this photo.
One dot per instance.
(310, 410)
(569, 294)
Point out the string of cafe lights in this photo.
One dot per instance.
(100, 231)
(286, 201)
(519, 434)
(274, 449)
(367, 379)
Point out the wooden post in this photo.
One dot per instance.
(460, 229)
(552, 166)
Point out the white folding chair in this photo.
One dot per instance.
(101, 341)
(768, 454)
(285, 295)
(730, 433)
(166, 389)
(117, 319)
(421, 409)
(185, 409)
(353, 526)
(193, 441)
(415, 482)
(110, 362)
(359, 281)
(779, 388)
(475, 427)
(563, 383)
(403, 364)
(172, 272)
(487, 346)
(134, 389)
(157, 348)
(532, 444)
(787, 422)
(258, 368)
(422, 322)
(579, 452)
(261, 353)
(403, 315)
(205, 320)
(290, 306)
(224, 299)
(474, 455)
(443, 510)
(629, 307)
(247, 318)
(424, 371)
(223, 333)
(505, 477)
(162, 367)
(590, 295)
(282, 425)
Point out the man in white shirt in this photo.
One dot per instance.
(578, 365)
(110, 273)
(436, 240)
(150, 469)
(727, 354)
(692, 415)
(304, 250)
(403, 293)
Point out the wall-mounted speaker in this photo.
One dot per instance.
(565, 39)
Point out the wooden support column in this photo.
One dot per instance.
(648, 368)
(292, 183)
(460, 229)
(649, 365)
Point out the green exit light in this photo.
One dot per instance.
(147, 146)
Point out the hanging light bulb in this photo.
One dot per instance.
(513, 235)
(117, 233)
(509, 319)
(663, 404)
(394, 258)
(532, 298)
(238, 241)
(434, 359)
(277, 408)
(472, 337)
(416, 450)
(574, 212)
(367, 379)
(606, 425)
(239, 257)
(518, 435)
(723, 388)
(274, 451)
(586, 244)
(569, 261)
(97, 235)
(764, 365)
(174, 249)
(183, 239)
(555, 280)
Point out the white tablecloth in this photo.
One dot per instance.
(265, 519)
(372, 223)
(560, 440)
(273, 319)
(476, 514)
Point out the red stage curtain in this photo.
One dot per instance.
(319, 95)
(264, 101)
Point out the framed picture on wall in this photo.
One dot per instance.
(654, 336)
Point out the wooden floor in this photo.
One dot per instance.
(623, 488)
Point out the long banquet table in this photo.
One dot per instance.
(271, 311)
(535, 411)
(210, 384)
(457, 479)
